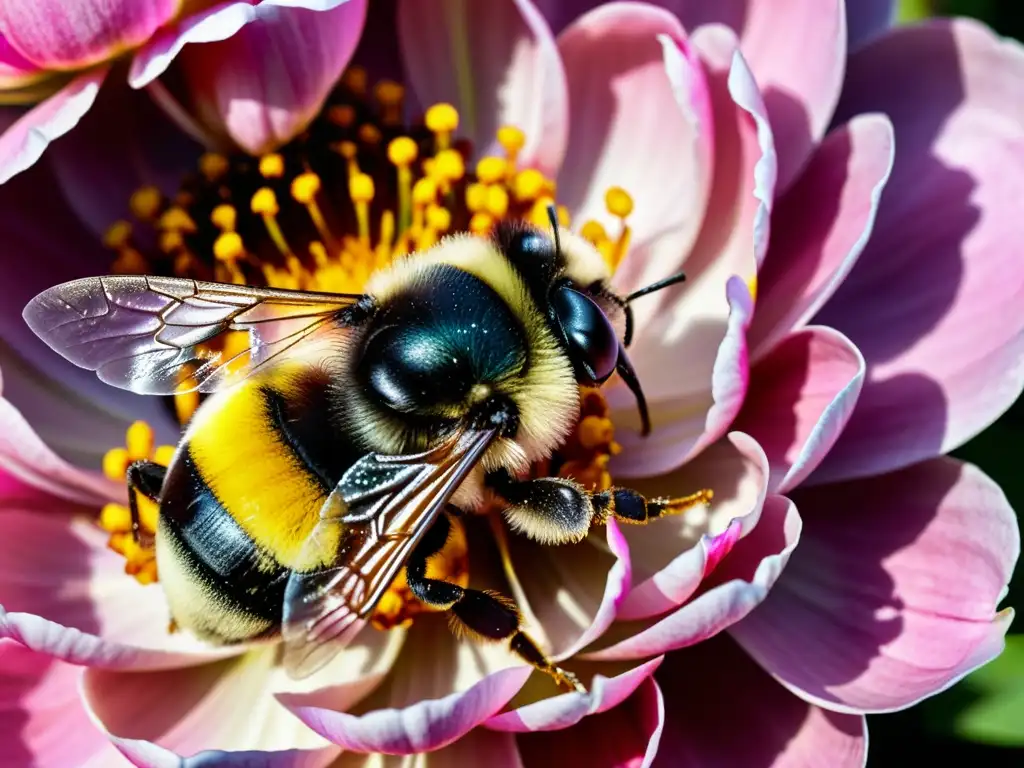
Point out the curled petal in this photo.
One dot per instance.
(703, 712)
(740, 583)
(801, 396)
(892, 594)
(933, 301)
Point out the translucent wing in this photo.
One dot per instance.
(160, 335)
(377, 513)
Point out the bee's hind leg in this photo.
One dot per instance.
(147, 478)
(488, 615)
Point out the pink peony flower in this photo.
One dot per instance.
(845, 222)
(242, 87)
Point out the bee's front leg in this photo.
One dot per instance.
(145, 477)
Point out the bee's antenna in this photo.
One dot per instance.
(656, 286)
(553, 218)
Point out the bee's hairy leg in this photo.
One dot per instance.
(487, 615)
(147, 478)
(555, 510)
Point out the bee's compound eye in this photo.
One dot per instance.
(593, 345)
(410, 368)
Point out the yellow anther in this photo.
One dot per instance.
(342, 115)
(163, 455)
(360, 188)
(595, 431)
(476, 197)
(618, 202)
(402, 151)
(511, 139)
(139, 441)
(348, 149)
(115, 464)
(449, 165)
(424, 192)
(118, 235)
(438, 218)
(228, 247)
(116, 518)
(130, 262)
(264, 202)
(389, 92)
(355, 80)
(370, 134)
(145, 202)
(593, 231)
(319, 253)
(305, 187)
(171, 241)
(491, 170)
(529, 184)
(272, 166)
(224, 217)
(177, 218)
(481, 223)
(442, 119)
(562, 214)
(213, 165)
(497, 201)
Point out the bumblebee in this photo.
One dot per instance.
(332, 451)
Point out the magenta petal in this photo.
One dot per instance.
(800, 398)
(738, 585)
(27, 138)
(893, 591)
(559, 712)
(496, 62)
(628, 735)
(15, 70)
(713, 689)
(421, 727)
(820, 226)
(934, 300)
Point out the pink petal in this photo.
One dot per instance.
(892, 593)
(933, 302)
(60, 35)
(675, 554)
(479, 747)
(801, 397)
(713, 689)
(42, 721)
(686, 415)
(25, 140)
(559, 712)
(641, 120)
(15, 70)
(739, 584)
(264, 84)
(572, 593)
(820, 226)
(628, 735)
(496, 62)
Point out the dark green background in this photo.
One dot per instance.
(980, 721)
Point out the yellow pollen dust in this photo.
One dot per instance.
(116, 519)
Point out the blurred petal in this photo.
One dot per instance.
(703, 712)
(934, 301)
(229, 707)
(820, 226)
(801, 397)
(420, 706)
(674, 554)
(868, 19)
(478, 747)
(640, 120)
(264, 84)
(497, 64)
(42, 721)
(739, 584)
(16, 72)
(558, 712)
(892, 594)
(27, 138)
(59, 35)
(625, 736)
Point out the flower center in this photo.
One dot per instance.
(356, 191)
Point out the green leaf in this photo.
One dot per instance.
(996, 714)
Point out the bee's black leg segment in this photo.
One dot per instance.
(147, 478)
(486, 614)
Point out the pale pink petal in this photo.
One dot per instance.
(801, 396)
(59, 35)
(820, 226)
(868, 19)
(42, 721)
(934, 301)
(640, 120)
(893, 591)
(571, 593)
(559, 712)
(740, 583)
(264, 84)
(27, 138)
(479, 747)
(62, 592)
(714, 688)
(227, 711)
(628, 735)
(497, 64)
(686, 414)
(675, 554)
